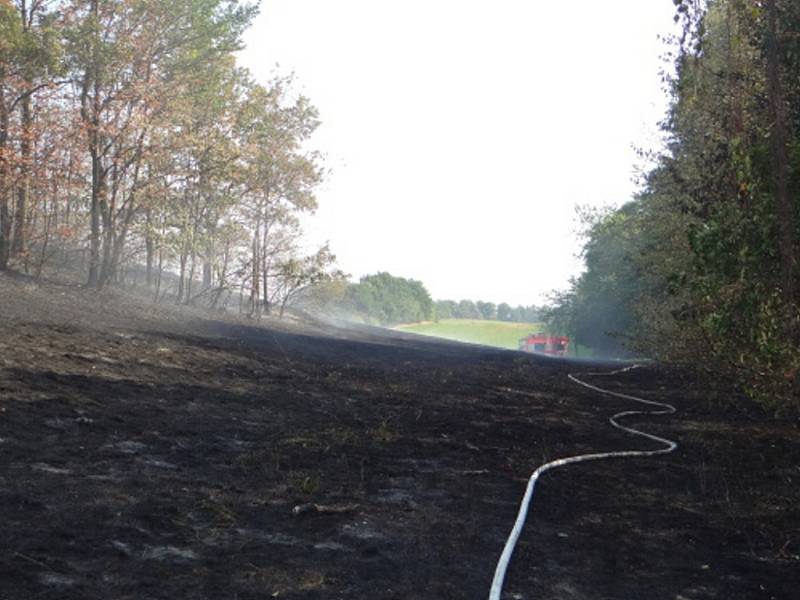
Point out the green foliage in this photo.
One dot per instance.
(299, 276)
(467, 309)
(30, 45)
(703, 266)
(10, 34)
(488, 310)
(505, 312)
(445, 309)
(388, 300)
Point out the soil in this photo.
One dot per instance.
(162, 453)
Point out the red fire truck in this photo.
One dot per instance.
(541, 343)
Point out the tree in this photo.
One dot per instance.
(131, 58)
(467, 310)
(39, 61)
(156, 148)
(297, 276)
(504, 312)
(388, 300)
(445, 309)
(10, 50)
(29, 63)
(280, 175)
(784, 211)
(701, 267)
(487, 310)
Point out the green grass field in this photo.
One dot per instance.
(490, 333)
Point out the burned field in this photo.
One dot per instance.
(162, 454)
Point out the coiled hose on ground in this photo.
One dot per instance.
(508, 549)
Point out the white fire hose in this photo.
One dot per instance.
(508, 550)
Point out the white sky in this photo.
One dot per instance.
(461, 134)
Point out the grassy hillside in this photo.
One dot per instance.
(490, 333)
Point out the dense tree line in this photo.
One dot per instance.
(129, 136)
(467, 309)
(703, 264)
(384, 299)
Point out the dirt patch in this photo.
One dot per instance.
(160, 454)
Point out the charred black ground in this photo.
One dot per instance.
(161, 454)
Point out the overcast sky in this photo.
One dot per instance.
(461, 134)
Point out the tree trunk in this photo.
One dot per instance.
(158, 274)
(209, 256)
(91, 113)
(265, 268)
(783, 204)
(149, 247)
(108, 218)
(24, 186)
(5, 217)
(118, 250)
(190, 279)
(94, 209)
(254, 288)
(119, 221)
(182, 275)
(119, 234)
(50, 219)
(207, 274)
(221, 276)
(5, 226)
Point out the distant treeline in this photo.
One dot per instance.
(384, 299)
(467, 309)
